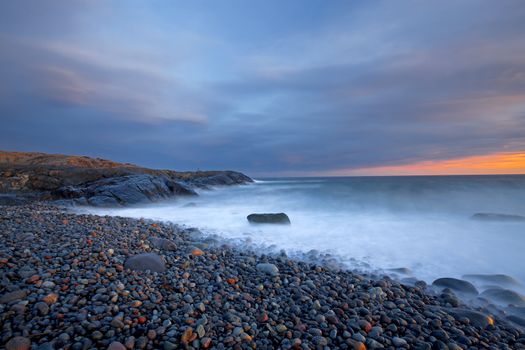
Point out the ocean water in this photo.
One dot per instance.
(369, 223)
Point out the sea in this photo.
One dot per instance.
(370, 224)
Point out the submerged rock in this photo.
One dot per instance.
(476, 318)
(146, 261)
(402, 270)
(269, 218)
(499, 279)
(504, 296)
(497, 217)
(456, 285)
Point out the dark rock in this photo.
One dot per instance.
(477, 319)
(497, 217)
(269, 269)
(18, 343)
(146, 261)
(517, 320)
(504, 296)
(456, 285)
(162, 243)
(12, 296)
(116, 346)
(269, 218)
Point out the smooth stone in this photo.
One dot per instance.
(146, 261)
(42, 308)
(130, 342)
(12, 296)
(162, 243)
(456, 285)
(399, 342)
(476, 318)
(504, 296)
(48, 284)
(517, 320)
(116, 346)
(18, 343)
(269, 218)
(269, 269)
(499, 279)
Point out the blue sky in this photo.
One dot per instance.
(265, 87)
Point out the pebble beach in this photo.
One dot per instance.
(71, 281)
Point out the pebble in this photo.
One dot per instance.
(18, 343)
(116, 346)
(269, 269)
(42, 308)
(399, 342)
(12, 296)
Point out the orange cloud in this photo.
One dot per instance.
(499, 163)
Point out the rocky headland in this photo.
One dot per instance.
(97, 182)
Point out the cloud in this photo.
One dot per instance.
(360, 86)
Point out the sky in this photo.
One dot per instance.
(270, 88)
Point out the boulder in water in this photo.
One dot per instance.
(402, 270)
(146, 261)
(498, 279)
(456, 285)
(269, 218)
(477, 319)
(497, 217)
(505, 296)
(517, 320)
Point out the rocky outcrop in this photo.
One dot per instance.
(98, 182)
(269, 218)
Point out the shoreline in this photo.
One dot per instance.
(67, 285)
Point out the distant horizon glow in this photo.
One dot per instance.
(492, 164)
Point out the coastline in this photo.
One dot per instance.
(65, 285)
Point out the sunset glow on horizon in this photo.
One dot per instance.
(491, 164)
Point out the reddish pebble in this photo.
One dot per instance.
(142, 319)
(205, 342)
(33, 279)
(50, 298)
(197, 252)
(263, 317)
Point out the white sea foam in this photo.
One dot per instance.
(420, 223)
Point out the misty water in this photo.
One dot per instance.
(421, 223)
